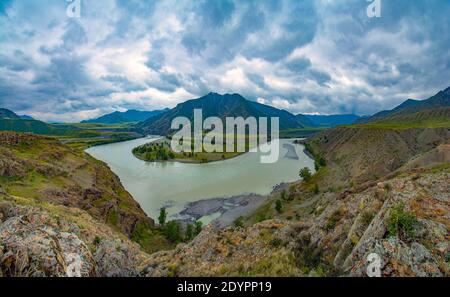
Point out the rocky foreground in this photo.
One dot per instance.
(335, 239)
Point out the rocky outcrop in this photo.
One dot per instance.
(55, 241)
(255, 251)
(335, 236)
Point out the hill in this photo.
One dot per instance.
(331, 121)
(221, 106)
(129, 116)
(43, 170)
(410, 106)
(8, 114)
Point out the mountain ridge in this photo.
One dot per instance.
(222, 106)
(410, 106)
(128, 116)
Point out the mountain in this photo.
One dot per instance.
(305, 121)
(330, 121)
(8, 114)
(10, 121)
(26, 117)
(118, 117)
(410, 106)
(222, 106)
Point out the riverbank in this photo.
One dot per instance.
(220, 212)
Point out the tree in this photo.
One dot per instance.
(305, 174)
(198, 227)
(278, 206)
(162, 216)
(189, 232)
(172, 231)
(284, 195)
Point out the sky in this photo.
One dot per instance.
(323, 56)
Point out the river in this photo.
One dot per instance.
(173, 184)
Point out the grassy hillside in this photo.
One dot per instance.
(42, 169)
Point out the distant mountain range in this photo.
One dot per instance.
(436, 109)
(425, 107)
(10, 121)
(330, 121)
(222, 106)
(129, 116)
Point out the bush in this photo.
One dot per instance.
(319, 162)
(316, 189)
(284, 195)
(305, 174)
(172, 231)
(239, 222)
(278, 206)
(189, 232)
(367, 217)
(401, 222)
(97, 240)
(198, 228)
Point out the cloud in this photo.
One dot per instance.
(305, 56)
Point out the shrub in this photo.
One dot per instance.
(319, 162)
(316, 189)
(284, 195)
(276, 242)
(97, 240)
(305, 174)
(278, 206)
(401, 222)
(367, 217)
(198, 228)
(172, 231)
(239, 223)
(189, 232)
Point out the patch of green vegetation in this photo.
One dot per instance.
(279, 206)
(335, 217)
(280, 263)
(401, 222)
(172, 230)
(367, 217)
(300, 133)
(393, 125)
(305, 174)
(112, 218)
(262, 214)
(151, 240)
(239, 222)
